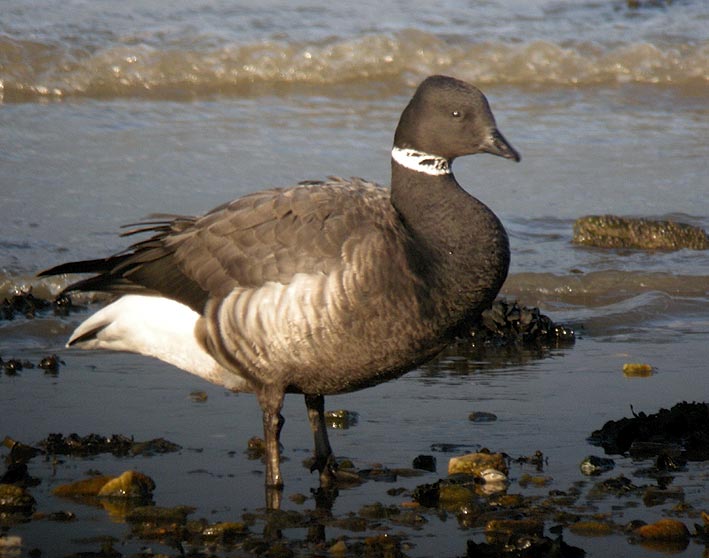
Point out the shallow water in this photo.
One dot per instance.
(111, 113)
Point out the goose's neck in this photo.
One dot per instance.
(464, 245)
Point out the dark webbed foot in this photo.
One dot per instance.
(324, 460)
(327, 469)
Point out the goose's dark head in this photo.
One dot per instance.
(450, 118)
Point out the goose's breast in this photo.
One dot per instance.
(327, 332)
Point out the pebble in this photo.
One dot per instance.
(637, 370)
(425, 463)
(664, 530)
(130, 484)
(594, 465)
(482, 416)
(15, 499)
(477, 463)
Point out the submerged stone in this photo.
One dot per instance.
(594, 465)
(500, 530)
(591, 528)
(341, 419)
(15, 499)
(82, 488)
(478, 464)
(130, 484)
(225, 531)
(664, 530)
(637, 370)
(425, 463)
(482, 416)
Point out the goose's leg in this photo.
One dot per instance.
(271, 403)
(324, 460)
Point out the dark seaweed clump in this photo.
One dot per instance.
(507, 324)
(27, 305)
(685, 424)
(50, 364)
(525, 546)
(94, 444)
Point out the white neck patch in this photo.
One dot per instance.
(421, 162)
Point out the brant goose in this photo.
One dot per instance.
(321, 288)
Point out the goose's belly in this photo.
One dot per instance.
(320, 335)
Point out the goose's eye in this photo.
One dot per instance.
(455, 114)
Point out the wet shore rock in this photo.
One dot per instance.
(611, 231)
(128, 485)
(682, 431)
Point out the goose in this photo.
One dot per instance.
(322, 288)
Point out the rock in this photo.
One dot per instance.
(482, 416)
(339, 548)
(153, 447)
(535, 480)
(664, 530)
(159, 523)
(685, 425)
(15, 499)
(425, 463)
(454, 496)
(256, 448)
(378, 510)
(590, 528)
(379, 474)
(82, 488)
(198, 396)
(618, 486)
(610, 231)
(637, 370)
(498, 531)
(225, 531)
(477, 463)
(383, 545)
(638, 4)
(427, 495)
(593, 465)
(655, 495)
(130, 484)
(13, 366)
(341, 419)
(50, 364)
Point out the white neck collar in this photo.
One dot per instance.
(421, 162)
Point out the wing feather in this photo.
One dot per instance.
(270, 236)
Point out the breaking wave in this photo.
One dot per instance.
(31, 71)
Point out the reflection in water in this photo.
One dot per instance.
(508, 334)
